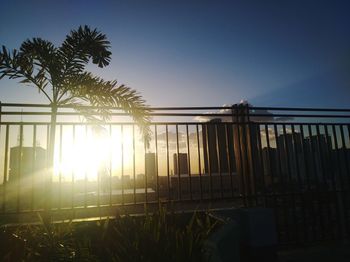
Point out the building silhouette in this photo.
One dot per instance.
(26, 161)
(218, 147)
(150, 168)
(182, 165)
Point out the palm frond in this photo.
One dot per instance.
(82, 45)
(18, 65)
(105, 94)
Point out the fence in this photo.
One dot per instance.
(294, 160)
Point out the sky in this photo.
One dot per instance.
(202, 53)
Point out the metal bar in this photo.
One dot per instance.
(146, 191)
(229, 159)
(332, 192)
(347, 174)
(48, 189)
(282, 182)
(272, 171)
(134, 162)
(19, 174)
(167, 159)
(346, 162)
(340, 196)
(218, 158)
(209, 161)
(185, 108)
(178, 162)
(261, 163)
(173, 123)
(241, 166)
(199, 163)
(312, 191)
(286, 147)
(110, 165)
(300, 186)
(7, 133)
(323, 183)
(189, 161)
(33, 171)
(252, 160)
(60, 171)
(73, 171)
(182, 114)
(122, 160)
(85, 172)
(156, 160)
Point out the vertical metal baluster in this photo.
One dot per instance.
(307, 175)
(218, 159)
(156, 163)
(73, 171)
(122, 165)
(199, 163)
(60, 172)
(281, 181)
(341, 191)
(261, 163)
(19, 175)
(270, 160)
(318, 193)
(189, 161)
(5, 167)
(167, 159)
(300, 191)
(243, 184)
(110, 166)
(252, 158)
(321, 188)
(208, 159)
(33, 171)
(289, 180)
(347, 174)
(48, 185)
(228, 158)
(333, 190)
(178, 162)
(99, 170)
(346, 162)
(133, 161)
(85, 173)
(146, 190)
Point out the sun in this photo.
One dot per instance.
(82, 155)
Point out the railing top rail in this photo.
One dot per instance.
(185, 108)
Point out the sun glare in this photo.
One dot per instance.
(83, 155)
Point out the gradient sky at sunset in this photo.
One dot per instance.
(202, 53)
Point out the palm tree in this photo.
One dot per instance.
(59, 73)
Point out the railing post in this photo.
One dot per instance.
(244, 152)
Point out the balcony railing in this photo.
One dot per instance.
(295, 160)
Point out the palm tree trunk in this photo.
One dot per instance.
(51, 154)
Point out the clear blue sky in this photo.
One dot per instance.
(180, 53)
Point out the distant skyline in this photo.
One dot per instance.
(202, 53)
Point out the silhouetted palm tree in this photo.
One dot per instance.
(60, 74)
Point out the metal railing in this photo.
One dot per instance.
(294, 160)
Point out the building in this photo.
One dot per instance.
(26, 161)
(150, 168)
(181, 165)
(218, 147)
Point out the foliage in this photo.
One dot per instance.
(60, 74)
(158, 236)
(154, 237)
